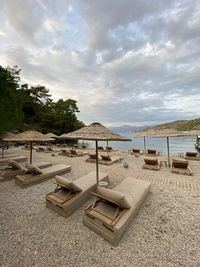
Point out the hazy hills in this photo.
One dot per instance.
(181, 125)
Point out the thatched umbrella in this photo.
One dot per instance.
(96, 132)
(31, 136)
(167, 132)
(51, 135)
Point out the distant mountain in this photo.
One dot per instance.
(181, 125)
(128, 128)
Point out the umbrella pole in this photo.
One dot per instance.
(145, 145)
(31, 152)
(2, 148)
(97, 162)
(168, 151)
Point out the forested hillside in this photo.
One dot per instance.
(25, 107)
(181, 125)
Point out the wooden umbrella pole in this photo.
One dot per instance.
(168, 151)
(2, 148)
(145, 144)
(30, 151)
(97, 162)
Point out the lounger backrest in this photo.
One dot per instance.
(33, 169)
(180, 164)
(92, 156)
(113, 196)
(73, 152)
(15, 165)
(135, 150)
(191, 154)
(106, 158)
(49, 149)
(151, 151)
(151, 161)
(64, 182)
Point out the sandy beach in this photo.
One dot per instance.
(166, 231)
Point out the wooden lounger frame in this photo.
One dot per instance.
(118, 213)
(68, 196)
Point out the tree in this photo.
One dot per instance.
(60, 117)
(33, 102)
(10, 103)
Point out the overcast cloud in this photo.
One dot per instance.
(124, 61)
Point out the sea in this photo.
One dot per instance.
(176, 144)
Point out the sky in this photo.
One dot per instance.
(131, 62)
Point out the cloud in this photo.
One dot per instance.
(128, 61)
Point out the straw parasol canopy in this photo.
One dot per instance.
(96, 132)
(31, 136)
(167, 132)
(51, 135)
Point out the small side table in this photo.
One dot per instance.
(103, 183)
(181, 154)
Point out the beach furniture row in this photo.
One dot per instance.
(109, 214)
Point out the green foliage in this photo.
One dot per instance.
(10, 102)
(180, 125)
(59, 117)
(23, 107)
(190, 125)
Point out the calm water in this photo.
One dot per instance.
(176, 144)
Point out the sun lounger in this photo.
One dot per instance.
(69, 195)
(151, 164)
(63, 152)
(151, 152)
(40, 149)
(91, 158)
(74, 153)
(4, 161)
(113, 210)
(105, 160)
(100, 148)
(14, 168)
(192, 156)
(108, 148)
(41, 175)
(181, 166)
(5, 155)
(135, 151)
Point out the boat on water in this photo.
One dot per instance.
(197, 145)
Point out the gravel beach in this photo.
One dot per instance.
(166, 231)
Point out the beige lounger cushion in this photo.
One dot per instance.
(33, 169)
(64, 182)
(14, 164)
(113, 196)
